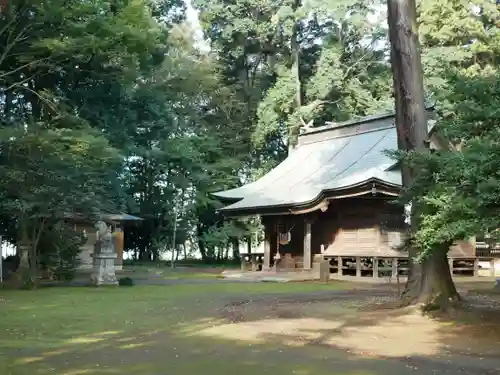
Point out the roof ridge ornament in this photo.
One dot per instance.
(306, 126)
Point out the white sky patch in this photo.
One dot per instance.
(378, 14)
(377, 17)
(193, 20)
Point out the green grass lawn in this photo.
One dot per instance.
(152, 330)
(131, 330)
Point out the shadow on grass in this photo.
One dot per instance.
(164, 354)
(473, 331)
(188, 330)
(157, 353)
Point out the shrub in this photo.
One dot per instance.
(59, 248)
(125, 281)
(10, 265)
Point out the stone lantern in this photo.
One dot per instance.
(104, 257)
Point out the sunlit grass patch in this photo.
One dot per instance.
(152, 330)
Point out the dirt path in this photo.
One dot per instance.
(471, 345)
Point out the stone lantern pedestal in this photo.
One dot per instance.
(104, 269)
(104, 257)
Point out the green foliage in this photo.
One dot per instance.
(125, 281)
(343, 73)
(59, 248)
(186, 147)
(56, 159)
(53, 171)
(10, 265)
(458, 189)
(109, 106)
(218, 237)
(457, 34)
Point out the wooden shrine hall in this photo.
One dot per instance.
(332, 198)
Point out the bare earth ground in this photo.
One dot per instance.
(305, 329)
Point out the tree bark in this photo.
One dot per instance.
(429, 282)
(436, 288)
(184, 251)
(177, 253)
(23, 275)
(299, 95)
(201, 245)
(411, 116)
(236, 248)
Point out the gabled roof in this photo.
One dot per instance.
(328, 161)
(121, 217)
(106, 216)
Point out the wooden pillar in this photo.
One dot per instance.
(394, 268)
(472, 243)
(450, 263)
(266, 266)
(476, 267)
(358, 266)
(307, 246)
(375, 267)
(119, 245)
(492, 267)
(339, 266)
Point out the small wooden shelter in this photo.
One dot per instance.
(333, 198)
(117, 221)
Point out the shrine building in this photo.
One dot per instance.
(333, 198)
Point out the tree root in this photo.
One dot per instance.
(442, 303)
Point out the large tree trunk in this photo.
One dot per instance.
(203, 251)
(201, 245)
(430, 281)
(236, 248)
(433, 286)
(177, 253)
(437, 289)
(184, 250)
(24, 273)
(293, 133)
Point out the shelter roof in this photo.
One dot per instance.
(328, 161)
(106, 216)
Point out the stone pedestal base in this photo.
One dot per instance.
(104, 270)
(324, 271)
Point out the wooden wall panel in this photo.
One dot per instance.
(364, 225)
(119, 242)
(359, 227)
(463, 249)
